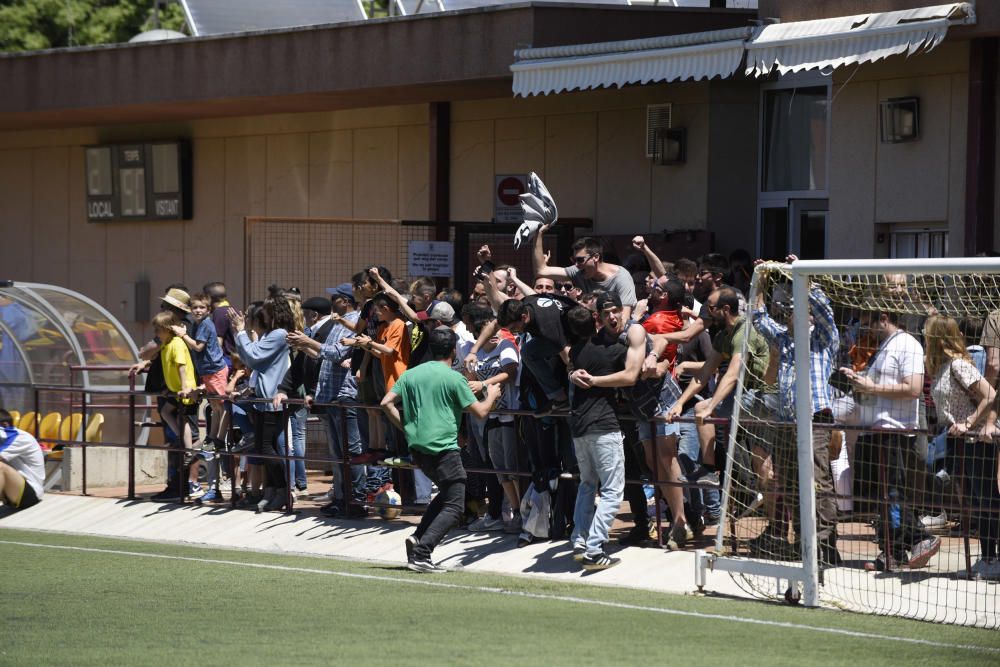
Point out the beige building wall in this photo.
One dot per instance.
(875, 187)
(364, 163)
(589, 148)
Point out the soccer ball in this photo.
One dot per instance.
(388, 496)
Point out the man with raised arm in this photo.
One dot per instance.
(589, 271)
(433, 397)
(824, 342)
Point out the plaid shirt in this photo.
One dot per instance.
(824, 341)
(335, 381)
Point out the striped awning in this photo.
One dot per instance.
(692, 56)
(848, 40)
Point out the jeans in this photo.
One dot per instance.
(298, 419)
(541, 356)
(602, 463)
(338, 420)
(704, 501)
(269, 438)
(445, 470)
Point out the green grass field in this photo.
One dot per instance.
(82, 600)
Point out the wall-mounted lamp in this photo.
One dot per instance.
(899, 119)
(671, 145)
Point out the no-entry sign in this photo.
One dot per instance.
(506, 205)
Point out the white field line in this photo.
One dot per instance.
(524, 594)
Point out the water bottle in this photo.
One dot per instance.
(894, 520)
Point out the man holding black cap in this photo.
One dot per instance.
(433, 397)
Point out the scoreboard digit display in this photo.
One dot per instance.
(144, 181)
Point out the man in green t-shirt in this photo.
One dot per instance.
(433, 397)
(727, 348)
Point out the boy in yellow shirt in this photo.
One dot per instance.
(178, 373)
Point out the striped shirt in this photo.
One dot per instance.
(824, 341)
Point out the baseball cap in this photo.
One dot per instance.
(343, 290)
(438, 310)
(608, 300)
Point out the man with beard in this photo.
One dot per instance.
(723, 306)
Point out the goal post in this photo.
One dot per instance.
(910, 548)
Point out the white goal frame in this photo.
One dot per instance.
(807, 573)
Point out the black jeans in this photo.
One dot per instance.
(880, 481)
(635, 459)
(445, 470)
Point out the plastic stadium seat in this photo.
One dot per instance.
(70, 429)
(16, 416)
(95, 427)
(27, 422)
(48, 429)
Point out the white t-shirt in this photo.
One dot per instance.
(21, 451)
(899, 357)
(491, 363)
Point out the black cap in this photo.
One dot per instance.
(317, 303)
(442, 341)
(608, 300)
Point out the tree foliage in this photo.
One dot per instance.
(29, 25)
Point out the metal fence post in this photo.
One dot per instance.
(131, 437)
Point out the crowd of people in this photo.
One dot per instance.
(525, 406)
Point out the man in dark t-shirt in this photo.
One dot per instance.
(597, 437)
(546, 353)
(220, 318)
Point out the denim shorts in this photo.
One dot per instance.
(663, 429)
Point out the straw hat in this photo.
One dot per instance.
(177, 298)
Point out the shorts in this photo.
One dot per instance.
(501, 441)
(28, 497)
(190, 412)
(216, 382)
(663, 429)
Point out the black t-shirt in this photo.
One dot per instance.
(594, 408)
(547, 311)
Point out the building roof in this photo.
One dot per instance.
(219, 17)
(403, 60)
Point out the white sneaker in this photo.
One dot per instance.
(939, 521)
(486, 523)
(324, 497)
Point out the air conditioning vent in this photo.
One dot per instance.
(657, 118)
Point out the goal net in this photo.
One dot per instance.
(861, 467)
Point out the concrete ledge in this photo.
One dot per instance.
(369, 540)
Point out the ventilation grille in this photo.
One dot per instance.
(657, 117)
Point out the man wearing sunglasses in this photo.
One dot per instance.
(589, 272)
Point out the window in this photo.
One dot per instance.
(918, 243)
(795, 121)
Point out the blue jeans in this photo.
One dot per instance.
(338, 419)
(601, 457)
(299, 446)
(704, 501)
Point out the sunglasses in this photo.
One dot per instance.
(564, 287)
(581, 259)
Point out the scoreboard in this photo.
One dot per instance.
(139, 181)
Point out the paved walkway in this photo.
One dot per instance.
(370, 540)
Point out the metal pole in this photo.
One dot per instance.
(803, 419)
(345, 462)
(83, 452)
(285, 413)
(131, 437)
